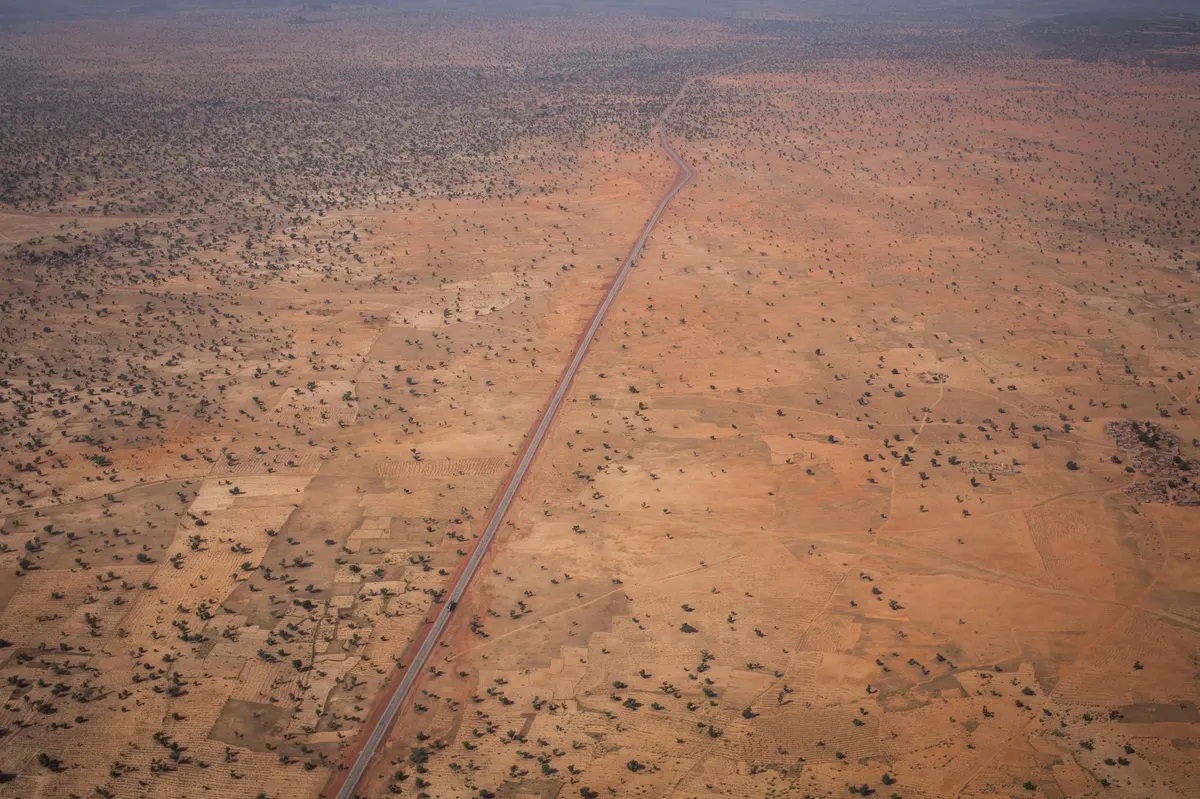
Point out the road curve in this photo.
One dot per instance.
(399, 693)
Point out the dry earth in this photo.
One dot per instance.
(815, 527)
(846, 495)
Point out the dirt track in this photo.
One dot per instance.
(382, 721)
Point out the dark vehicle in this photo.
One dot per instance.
(453, 604)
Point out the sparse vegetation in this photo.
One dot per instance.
(286, 291)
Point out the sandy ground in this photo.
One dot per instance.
(832, 504)
(291, 534)
(808, 521)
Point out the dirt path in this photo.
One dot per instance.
(345, 783)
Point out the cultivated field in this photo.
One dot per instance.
(877, 479)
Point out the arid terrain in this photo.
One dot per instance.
(878, 478)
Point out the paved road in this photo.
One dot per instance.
(385, 720)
